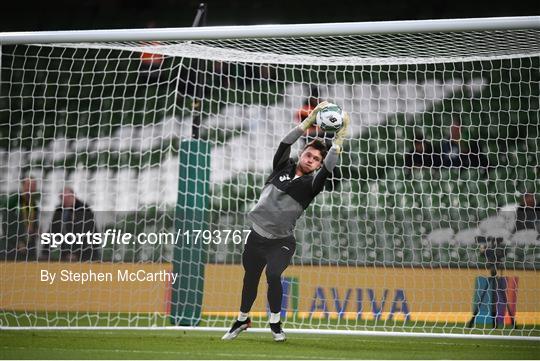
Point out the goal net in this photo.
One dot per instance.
(128, 167)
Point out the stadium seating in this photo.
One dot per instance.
(392, 211)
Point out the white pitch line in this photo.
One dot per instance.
(289, 331)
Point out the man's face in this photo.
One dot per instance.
(455, 131)
(67, 198)
(529, 200)
(29, 186)
(419, 147)
(310, 160)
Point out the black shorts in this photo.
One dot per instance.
(276, 254)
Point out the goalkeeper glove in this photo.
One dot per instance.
(310, 120)
(340, 134)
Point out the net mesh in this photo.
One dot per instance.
(430, 196)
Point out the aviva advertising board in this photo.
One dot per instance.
(361, 293)
(367, 293)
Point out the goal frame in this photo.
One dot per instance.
(262, 31)
(283, 31)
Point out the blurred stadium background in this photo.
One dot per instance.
(113, 131)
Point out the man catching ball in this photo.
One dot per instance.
(287, 193)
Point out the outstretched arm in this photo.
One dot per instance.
(332, 157)
(284, 149)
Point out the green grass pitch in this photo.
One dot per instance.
(175, 344)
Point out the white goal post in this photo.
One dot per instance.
(272, 31)
(165, 137)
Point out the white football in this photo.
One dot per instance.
(330, 118)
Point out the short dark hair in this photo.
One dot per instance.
(317, 144)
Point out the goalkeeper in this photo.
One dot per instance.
(287, 193)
